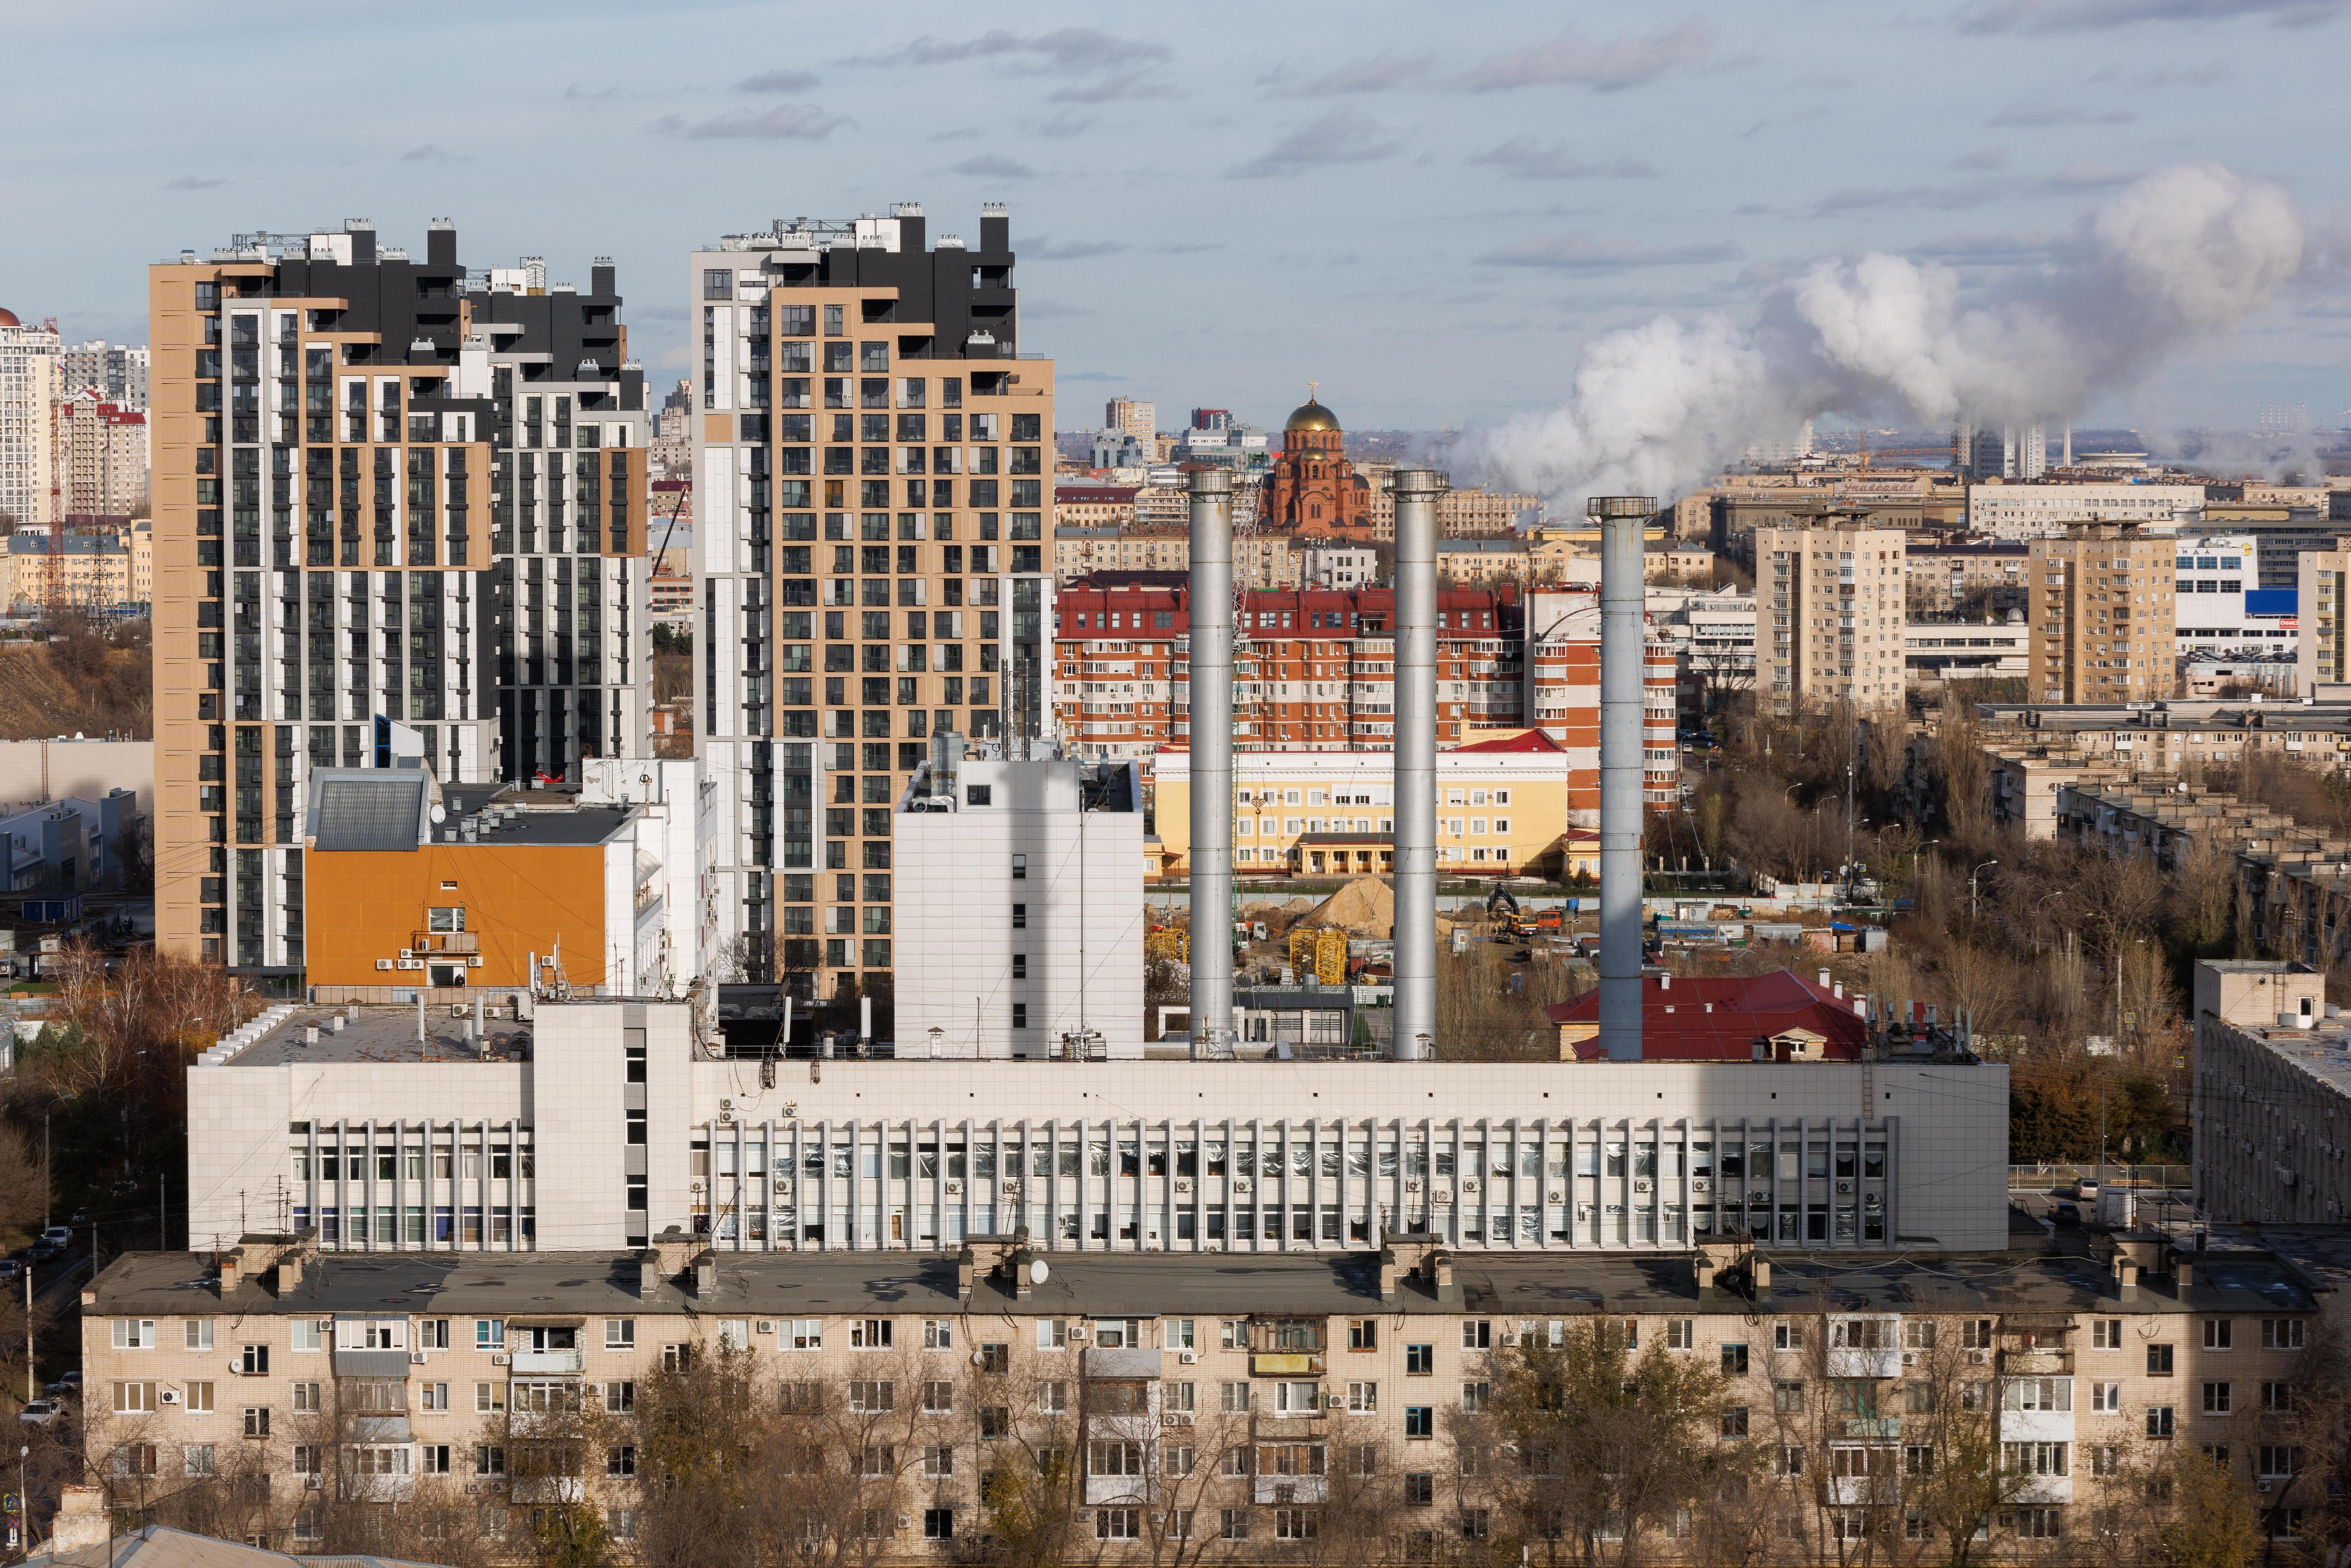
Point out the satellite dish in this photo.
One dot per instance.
(440, 814)
(1038, 1272)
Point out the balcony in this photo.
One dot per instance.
(550, 1362)
(1284, 1364)
(1283, 1491)
(445, 941)
(2036, 1363)
(1865, 1428)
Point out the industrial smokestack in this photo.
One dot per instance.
(1212, 762)
(1415, 491)
(1621, 519)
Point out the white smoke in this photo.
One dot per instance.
(2181, 255)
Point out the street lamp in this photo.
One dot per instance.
(1971, 885)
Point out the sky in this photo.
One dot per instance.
(1427, 210)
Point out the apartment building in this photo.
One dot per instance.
(2323, 601)
(1081, 550)
(1329, 564)
(1021, 886)
(1138, 417)
(1482, 562)
(2272, 1095)
(643, 1115)
(1945, 579)
(388, 492)
(1834, 591)
(1563, 699)
(1464, 514)
(871, 467)
(85, 568)
(1314, 669)
(28, 392)
(116, 372)
(2046, 509)
(1509, 805)
(1261, 1413)
(2102, 616)
(1094, 506)
(101, 457)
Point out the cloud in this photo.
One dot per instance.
(785, 122)
(1526, 158)
(1187, 250)
(1342, 136)
(1072, 49)
(777, 81)
(1380, 73)
(2084, 174)
(1750, 210)
(2038, 115)
(2086, 16)
(1087, 376)
(1580, 252)
(2165, 75)
(1110, 88)
(1994, 248)
(1775, 121)
(431, 152)
(1065, 124)
(194, 183)
(996, 166)
(1043, 249)
(1571, 59)
(1983, 158)
(578, 94)
(1855, 199)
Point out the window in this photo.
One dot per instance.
(2159, 1361)
(2106, 1398)
(1419, 1361)
(1976, 1333)
(134, 1460)
(1734, 1422)
(1236, 1524)
(1021, 918)
(490, 1334)
(800, 1333)
(1787, 1336)
(2037, 1393)
(872, 1396)
(2034, 1523)
(1681, 1333)
(1919, 1459)
(2106, 1460)
(1053, 1398)
(2278, 1462)
(2033, 1458)
(257, 1420)
(1363, 1396)
(869, 1333)
(2277, 1398)
(1919, 1333)
(1476, 1397)
(2158, 1420)
(2219, 1333)
(620, 1397)
(2281, 1333)
(1788, 1396)
(489, 1459)
(2218, 1398)
(938, 1333)
(995, 1360)
(1178, 1334)
(253, 1360)
(134, 1333)
(432, 1333)
(1053, 1333)
(676, 1357)
(1419, 1421)
(1232, 1333)
(196, 1458)
(1235, 1397)
(305, 1333)
(199, 1334)
(2105, 1334)
(1477, 1334)
(1296, 1398)
(1734, 1361)
(938, 1397)
(1362, 1333)
(489, 1398)
(306, 1399)
(1919, 1398)
(620, 1334)
(1419, 1489)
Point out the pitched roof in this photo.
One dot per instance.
(1524, 740)
(1719, 1019)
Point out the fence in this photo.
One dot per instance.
(2052, 1178)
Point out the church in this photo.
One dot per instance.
(1311, 490)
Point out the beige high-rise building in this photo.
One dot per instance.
(2102, 616)
(28, 390)
(871, 489)
(2323, 589)
(102, 457)
(400, 512)
(1132, 416)
(1829, 613)
(1464, 513)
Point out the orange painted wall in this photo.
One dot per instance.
(365, 905)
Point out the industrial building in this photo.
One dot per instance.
(871, 464)
(387, 490)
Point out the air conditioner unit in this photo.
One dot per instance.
(499, 1359)
(169, 1395)
(1334, 1402)
(1412, 1184)
(1701, 1183)
(763, 1325)
(1176, 1418)
(1640, 1184)
(904, 1521)
(474, 961)
(1844, 1188)
(1469, 1183)
(1183, 1185)
(1978, 1357)
(1556, 1195)
(1242, 1184)
(1077, 1331)
(408, 952)
(416, 1357)
(1509, 1339)
(309, 1483)
(1910, 1358)
(2261, 1486)
(1443, 1198)
(1011, 1188)
(1189, 1357)
(411, 964)
(383, 963)
(954, 1190)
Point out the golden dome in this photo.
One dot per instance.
(1312, 415)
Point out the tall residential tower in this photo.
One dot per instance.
(388, 492)
(872, 490)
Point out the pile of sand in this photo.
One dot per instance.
(1364, 907)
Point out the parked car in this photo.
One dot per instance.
(40, 1412)
(9, 1269)
(41, 1252)
(2069, 1213)
(70, 1382)
(60, 1236)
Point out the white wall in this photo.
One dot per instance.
(44, 770)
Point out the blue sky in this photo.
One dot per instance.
(1426, 209)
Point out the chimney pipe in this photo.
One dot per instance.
(1415, 491)
(1622, 596)
(1211, 736)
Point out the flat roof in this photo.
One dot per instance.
(1092, 1284)
(382, 1035)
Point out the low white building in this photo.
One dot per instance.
(2023, 511)
(643, 1120)
(1340, 566)
(1018, 909)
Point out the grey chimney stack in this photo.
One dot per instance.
(1622, 520)
(1415, 491)
(1211, 735)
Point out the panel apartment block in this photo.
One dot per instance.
(386, 491)
(871, 468)
(2102, 616)
(1829, 613)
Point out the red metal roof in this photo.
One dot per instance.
(1525, 740)
(1718, 1018)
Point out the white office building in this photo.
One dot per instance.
(1020, 886)
(643, 1120)
(2220, 605)
(2024, 511)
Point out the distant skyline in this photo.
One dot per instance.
(1211, 206)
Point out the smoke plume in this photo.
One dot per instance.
(2180, 256)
